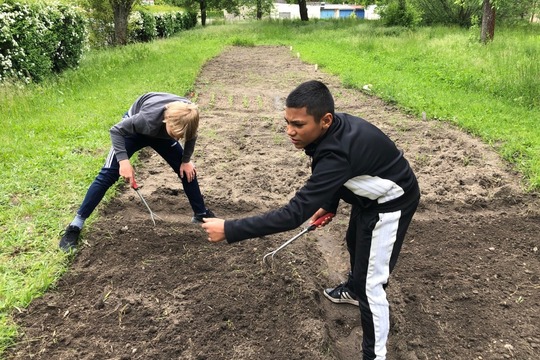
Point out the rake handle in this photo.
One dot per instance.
(136, 188)
(320, 220)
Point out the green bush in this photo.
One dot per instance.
(400, 13)
(145, 26)
(71, 37)
(100, 23)
(189, 20)
(38, 39)
(165, 24)
(142, 26)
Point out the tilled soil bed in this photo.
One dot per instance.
(466, 285)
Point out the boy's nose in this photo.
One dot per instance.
(290, 130)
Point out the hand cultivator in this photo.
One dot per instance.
(152, 214)
(311, 227)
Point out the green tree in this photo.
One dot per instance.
(462, 12)
(101, 24)
(517, 10)
(303, 10)
(447, 12)
(490, 8)
(260, 7)
(255, 8)
(121, 10)
(400, 13)
(488, 21)
(192, 5)
(302, 6)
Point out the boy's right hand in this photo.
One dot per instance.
(215, 228)
(319, 213)
(126, 172)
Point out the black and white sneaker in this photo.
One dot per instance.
(70, 238)
(198, 218)
(341, 295)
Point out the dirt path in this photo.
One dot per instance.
(466, 286)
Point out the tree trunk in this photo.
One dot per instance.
(203, 12)
(121, 11)
(488, 22)
(259, 9)
(303, 10)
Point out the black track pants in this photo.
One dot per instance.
(374, 241)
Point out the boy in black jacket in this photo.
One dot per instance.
(354, 161)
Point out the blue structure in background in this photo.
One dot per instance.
(334, 11)
(327, 14)
(360, 13)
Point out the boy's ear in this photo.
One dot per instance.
(327, 120)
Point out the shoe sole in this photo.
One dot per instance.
(68, 248)
(341, 301)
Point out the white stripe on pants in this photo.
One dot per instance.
(378, 272)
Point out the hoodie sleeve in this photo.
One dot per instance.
(124, 128)
(189, 148)
(329, 174)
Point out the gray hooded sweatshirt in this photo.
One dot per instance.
(145, 117)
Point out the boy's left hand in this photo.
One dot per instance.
(189, 170)
(215, 228)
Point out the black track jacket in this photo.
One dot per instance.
(354, 161)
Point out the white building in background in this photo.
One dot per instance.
(321, 10)
(292, 11)
(370, 13)
(316, 10)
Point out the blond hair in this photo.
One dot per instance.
(183, 119)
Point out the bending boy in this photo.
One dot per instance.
(158, 120)
(354, 161)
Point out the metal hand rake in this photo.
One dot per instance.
(311, 227)
(153, 215)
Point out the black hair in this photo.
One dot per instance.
(314, 96)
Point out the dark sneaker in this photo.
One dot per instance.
(70, 238)
(198, 218)
(341, 295)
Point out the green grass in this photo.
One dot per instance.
(54, 136)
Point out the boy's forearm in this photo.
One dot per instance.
(189, 148)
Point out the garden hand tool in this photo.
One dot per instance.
(311, 227)
(136, 188)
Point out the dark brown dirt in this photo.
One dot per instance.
(466, 286)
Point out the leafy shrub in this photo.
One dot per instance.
(22, 39)
(71, 35)
(142, 26)
(400, 13)
(145, 26)
(189, 20)
(37, 39)
(100, 23)
(165, 24)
